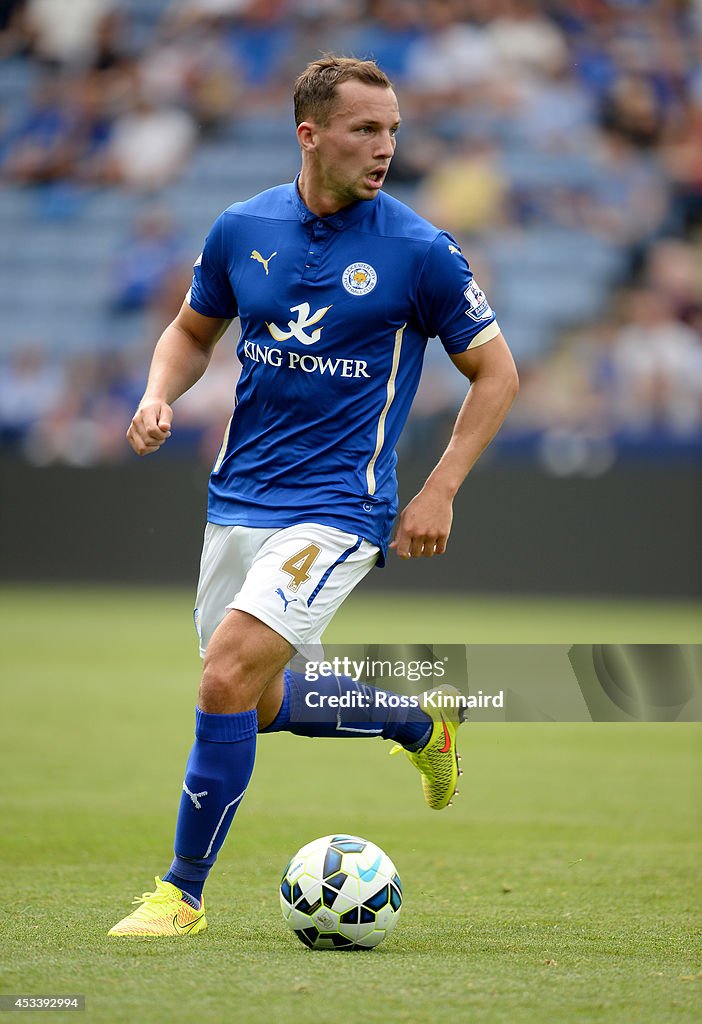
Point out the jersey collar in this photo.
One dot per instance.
(340, 220)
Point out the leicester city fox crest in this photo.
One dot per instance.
(359, 279)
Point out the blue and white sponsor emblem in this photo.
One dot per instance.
(359, 279)
(478, 305)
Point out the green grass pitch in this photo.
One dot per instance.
(562, 886)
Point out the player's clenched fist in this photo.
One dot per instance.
(150, 427)
(424, 526)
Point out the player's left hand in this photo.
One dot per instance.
(424, 526)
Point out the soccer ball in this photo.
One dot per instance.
(341, 892)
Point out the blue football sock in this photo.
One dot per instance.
(216, 777)
(371, 712)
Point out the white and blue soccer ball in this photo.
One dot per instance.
(341, 892)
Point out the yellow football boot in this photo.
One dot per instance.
(163, 912)
(438, 759)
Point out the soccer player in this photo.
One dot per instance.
(337, 287)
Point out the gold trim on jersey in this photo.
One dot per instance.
(487, 334)
(223, 448)
(380, 434)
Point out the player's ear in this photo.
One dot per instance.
(307, 135)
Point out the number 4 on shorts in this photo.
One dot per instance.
(298, 565)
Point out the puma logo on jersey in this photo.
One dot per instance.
(297, 327)
(256, 255)
(454, 249)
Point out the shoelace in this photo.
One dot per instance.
(152, 901)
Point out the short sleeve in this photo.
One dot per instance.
(450, 303)
(211, 291)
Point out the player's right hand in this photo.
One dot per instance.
(150, 426)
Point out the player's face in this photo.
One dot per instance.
(352, 152)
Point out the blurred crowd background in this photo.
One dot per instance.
(560, 142)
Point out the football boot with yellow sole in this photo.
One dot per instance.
(166, 911)
(438, 760)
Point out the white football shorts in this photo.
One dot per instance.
(294, 579)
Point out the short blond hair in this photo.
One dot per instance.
(315, 89)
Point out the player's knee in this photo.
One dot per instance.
(229, 683)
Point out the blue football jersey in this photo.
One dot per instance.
(335, 316)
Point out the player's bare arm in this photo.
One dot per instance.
(180, 358)
(425, 523)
